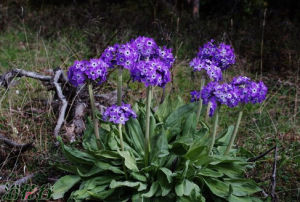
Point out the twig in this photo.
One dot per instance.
(7, 78)
(62, 98)
(261, 155)
(20, 147)
(18, 182)
(273, 177)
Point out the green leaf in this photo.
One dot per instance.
(89, 141)
(137, 185)
(107, 154)
(242, 187)
(101, 194)
(175, 118)
(138, 176)
(167, 107)
(108, 167)
(209, 173)
(179, 189)
(77, 156)
(217, 187)
(196, 152)
(190, 125)
(135, 135)
(233, 198)
(168, 173)
(232, 170)
(63, 185)
(129, 161)
(152, 191)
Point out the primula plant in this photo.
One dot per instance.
(167, 154)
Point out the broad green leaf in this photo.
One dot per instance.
(76, 156)
(190, 125)
(129, 161)
(196, 152)
(63, 185)
(232, 170)
(135, 135)
(153, 189)
(217, 187)
(209, 173)
(242, 187)
(160, 146)
(168, 173)
(168, 106)
(233, 198)
(89, 141)
(175, 118)
(107, 154)
(179, 189)
(101, 194)
(138, 176)
(108, 167)
(137, 185)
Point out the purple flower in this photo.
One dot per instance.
(93, 70)
(153, 63)
(119, 114)
(195, 96)
(250, 91)
(214, 59)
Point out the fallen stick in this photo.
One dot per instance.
(19, 147)
(62, 98)
(273, 177)
(18, 182)
(261, 155)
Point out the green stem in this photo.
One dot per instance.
(207, 112)
(147, 131)
(232, 138)
(122, 148)
(121, 137)
(214, 132)
(95, 120)
(119, 87)
(200, 100)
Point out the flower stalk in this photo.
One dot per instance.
(95, 120)
(200, 100)
(214, 132)
(147, 131)
(207, 111)
(121, 136)
(232, 138)
(119, 87)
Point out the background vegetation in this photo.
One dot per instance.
(39, 35)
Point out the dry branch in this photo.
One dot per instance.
(62, 98)
(19, 147)
(261, 155)
(18, 182)
(273, 177)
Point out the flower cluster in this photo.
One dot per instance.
(147, 62)
(240, 90)
(124, 55)
(250, 91)
(154, 63)
(213, 59)
(93, 70)
(119, 114)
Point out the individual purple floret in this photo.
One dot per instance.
(213, 59)
(195, 96)
(119, 114)
(93, 70)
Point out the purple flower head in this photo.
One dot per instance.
(119, 114)
(93, 70)
(214, 59)
(97, 70)
(153, 63)
(76, 76)
(250, 91)
(109, 55)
